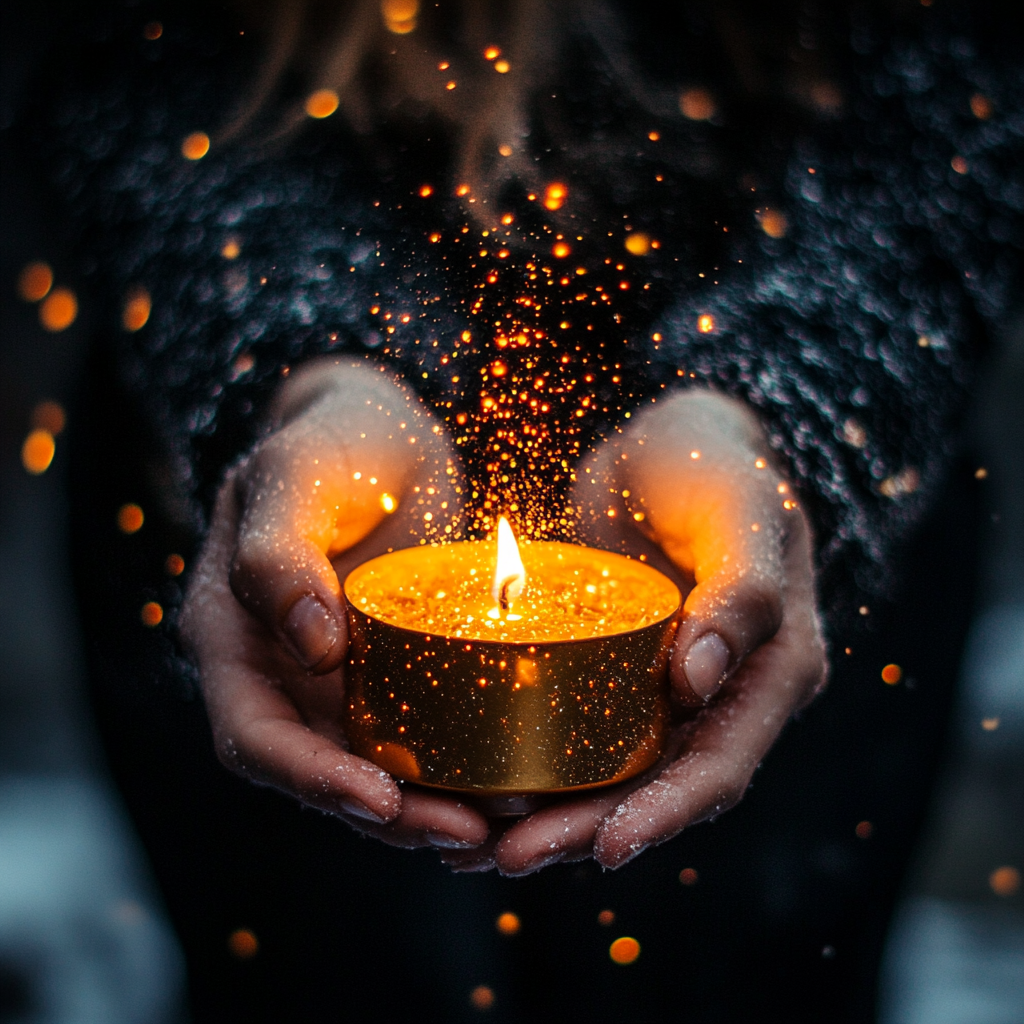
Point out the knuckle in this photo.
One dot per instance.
(763, 604)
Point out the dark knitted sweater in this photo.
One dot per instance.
(853, 335)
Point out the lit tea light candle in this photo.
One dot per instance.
(485, 668)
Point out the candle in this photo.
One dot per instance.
(488, 668)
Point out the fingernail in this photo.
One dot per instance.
(705, 665)
(359, 810)
(443, 841)
(312, 629)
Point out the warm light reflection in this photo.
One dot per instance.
(509, 573)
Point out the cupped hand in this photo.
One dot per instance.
(692, 486)
(351, 466)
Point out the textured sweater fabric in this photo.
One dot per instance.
(898, 219)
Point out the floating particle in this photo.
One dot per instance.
(555, 195)
(828, 952)
(49, 416)
(502, 67)
(59, 310)
(399, 15)
(773, 223)
(981, 106)
(322, 103)
(638, 243)
(826, 98)
(35, 281)
(37, 451)
(507, 923)
(959, 164)
(892, 674)
(697, 105)
(130, 518)
(705, 323)
(981, 473)
(243, 943)
(624, 950)
(560, 250)
(174, 565)
(482, 997)
(864, 610)
(864, 830)
(152, 30)
(231, 249)
(426, 190)
(151, 614)
(195, 146)
(606, 918)
(990, 724)
(137, 308)
(688, 876)
(449, 86)
(492, 53)
(1005, 881)
(388, 502)
(505, 149)
(654, 136)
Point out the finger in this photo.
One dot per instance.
(562, 832)
(727, 741)
(429, 819)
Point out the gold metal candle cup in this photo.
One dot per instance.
(503, 717)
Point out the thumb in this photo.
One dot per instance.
(300, 506)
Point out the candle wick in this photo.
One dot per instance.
(503, 600)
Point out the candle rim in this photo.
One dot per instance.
(659, 622)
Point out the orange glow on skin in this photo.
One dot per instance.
(59, 310)
(35, 281)
(37, 451)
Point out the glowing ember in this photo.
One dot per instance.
(195, 146)
(625, 950)
(322, 103)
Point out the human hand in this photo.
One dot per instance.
(351, 466)
(691, 486)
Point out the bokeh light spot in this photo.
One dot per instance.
(152, 614)
(37, 451)
(560, 250)
(638, 243)
(130, 518)
(482, 997)
(864, 830)
(892, 674)
(606, 918)
(697, 105)
(35, 281)
(59, 310)
(243, 943)
(688, 876)
(705, 323)
(137, 308)
(624, 950)
(774, 223)
(49, 416)
(1005, 881)
(322, 103)
(195, 146)
(400, 15)
(981, 106)
(555, 195)
(174, 565)
(152, 30)
(508, 923)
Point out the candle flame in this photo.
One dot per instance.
(509, 574)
